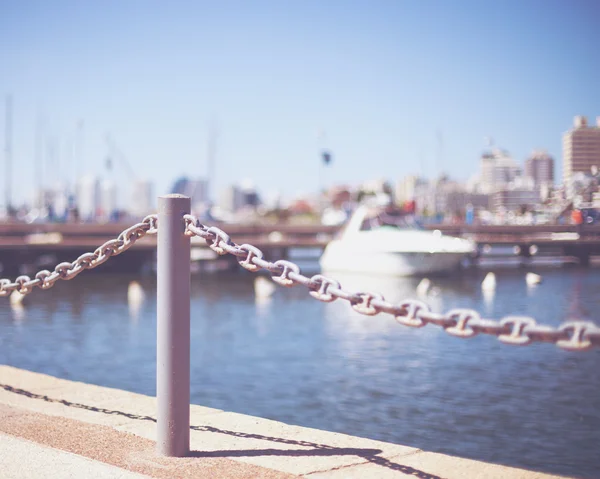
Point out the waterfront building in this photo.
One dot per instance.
(518, 195)
(142, 198)
(108, 200)
(452, 199)
(581, 151)
(458, 201)
(230, 199)
(88, 197)
(196, 189)
(60, 201)
(449, 196)
(52, 204)
(540, 168)
(424, 198)
(406, 188)
(235, 197)
(497, 170)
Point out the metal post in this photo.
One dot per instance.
(173, 328)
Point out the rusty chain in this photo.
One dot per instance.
(65, 271)
(571, 335)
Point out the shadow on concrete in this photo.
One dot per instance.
(64, 402)
(336, 451)
(369, 455)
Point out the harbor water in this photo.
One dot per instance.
(297, 360)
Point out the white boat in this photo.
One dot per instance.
(377, 242)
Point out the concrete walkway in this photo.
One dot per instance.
(51, 427)
(21, 458)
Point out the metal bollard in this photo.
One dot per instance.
(173, 328)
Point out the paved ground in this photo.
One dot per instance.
(90, 449)
(51, 427)
(22, 458)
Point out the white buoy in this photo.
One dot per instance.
(18, 312)
(488, 299)
(489, 282)
(423, 287)
(263, 287)
(275, 237)
(135, 293)
(16, 298)
(532, 279)
(135, 299)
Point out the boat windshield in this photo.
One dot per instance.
(391, 219)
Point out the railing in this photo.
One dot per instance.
(175, 226)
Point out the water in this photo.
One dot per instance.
(320, 365)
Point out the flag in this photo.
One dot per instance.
(326, 158)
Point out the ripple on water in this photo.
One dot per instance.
(297, 360)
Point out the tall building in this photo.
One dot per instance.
(108, 200)
(88, 197)
(197, 190)
(581, 150)
(60, 200)
(498, 169)
(230, 199)
(142, 198)
(540, 168)
(236, 197)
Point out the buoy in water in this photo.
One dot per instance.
(423, 287)
(135, 293)
(135, 298)
(16, 298)
(489, 282)
(532, 279)
(263, 287)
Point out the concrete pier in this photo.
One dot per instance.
(56, 428)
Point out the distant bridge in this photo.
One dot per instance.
(38, 244)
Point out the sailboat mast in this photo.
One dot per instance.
(211, 164)
(8, 153)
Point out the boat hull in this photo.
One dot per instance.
(391, 264)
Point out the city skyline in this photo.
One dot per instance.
(390, 89)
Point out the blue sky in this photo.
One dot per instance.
(380, 78)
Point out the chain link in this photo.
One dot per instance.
(572, 335)
(65, 271)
